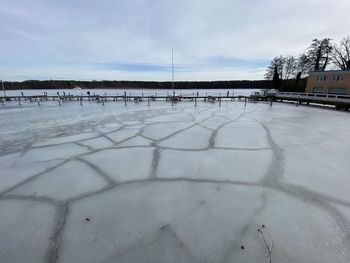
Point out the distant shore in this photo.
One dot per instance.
(68, 84)
(71, 84)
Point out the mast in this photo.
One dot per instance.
(172, 69)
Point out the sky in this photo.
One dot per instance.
(133, 39)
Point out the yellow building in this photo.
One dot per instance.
(329, 82)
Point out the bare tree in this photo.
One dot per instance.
(341, 54)
(319, 53)
(285, 66)
(289, 67)
(302, 65)
(275, 66)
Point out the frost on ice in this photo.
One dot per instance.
(173, 184)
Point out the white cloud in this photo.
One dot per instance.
(63, 38)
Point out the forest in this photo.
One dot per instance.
(230, 84)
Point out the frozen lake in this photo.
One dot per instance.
(109, 183)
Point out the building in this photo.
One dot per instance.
(329, 82)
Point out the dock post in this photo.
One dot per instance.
(228, 94)
(245, 102)
(148, 101)
(172, 101)
(271, 102)
(195, 102)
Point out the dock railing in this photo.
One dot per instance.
(338, 100)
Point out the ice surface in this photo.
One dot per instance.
(324, 174)
(44, 154)
(123, 164)
(25, 228)
(66, 139)
(153, 213)
(136, 141)
(98, 143)
(213, 123)
(68, 180)
(316, 150)
(177, 117)
(242, 135)
(12, 174)
(123, 134)
(162, 130)
(214, 164)
(163, 183)
(197, 223)
(195, 137)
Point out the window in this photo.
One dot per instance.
(321, 78)
(341, 91)
(318, 90)
(338, 78)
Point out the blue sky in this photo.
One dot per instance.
(132, 39)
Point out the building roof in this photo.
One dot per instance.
(329, 72)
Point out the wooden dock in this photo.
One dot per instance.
(124, 98)
(339, 101)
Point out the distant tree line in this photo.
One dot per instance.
(321, 53)
(67, 84)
